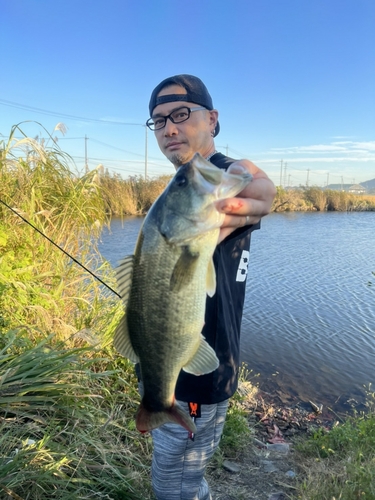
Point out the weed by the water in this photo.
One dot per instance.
(132, 196)
(340, 463)
(317, 199)
(61, 436)
(237, 432)
(67, 401)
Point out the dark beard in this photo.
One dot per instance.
(177, 159)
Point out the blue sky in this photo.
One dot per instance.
(293, 80)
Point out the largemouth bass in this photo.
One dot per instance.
(164, 286)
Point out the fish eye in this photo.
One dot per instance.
(181, 180)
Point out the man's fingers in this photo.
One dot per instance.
(233, 221)
(251, 204)
(243, 206)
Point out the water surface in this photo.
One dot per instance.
(309, 318)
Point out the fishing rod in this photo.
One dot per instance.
(56, 245)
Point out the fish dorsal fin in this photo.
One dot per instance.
(204, 360)
(124, 274)
(211, 279)
(184, 269)
(121, 341)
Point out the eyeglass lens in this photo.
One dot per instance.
(177, 116)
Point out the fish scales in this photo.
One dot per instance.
(161, 313)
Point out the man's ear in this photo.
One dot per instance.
(214, 116)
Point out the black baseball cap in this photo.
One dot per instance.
(196, 92)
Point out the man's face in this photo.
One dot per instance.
(180, 141)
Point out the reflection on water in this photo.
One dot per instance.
(309, 317)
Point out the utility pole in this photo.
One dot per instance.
(224, 147)
(327, 179)
(281, 173)
(285, 174)
(342, 183)
(307, 180)
(86, 162)
(289, 180)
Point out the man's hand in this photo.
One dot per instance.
(251, 204)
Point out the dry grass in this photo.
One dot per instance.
(133, 196)
(314, 198)
(339, 464)
(67, 401)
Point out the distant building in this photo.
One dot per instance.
(349, 188)
(357, 189)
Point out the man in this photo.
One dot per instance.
(185, 122)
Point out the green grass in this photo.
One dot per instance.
(66, 426)
(340, 464)
(237, 432)
(67, 401)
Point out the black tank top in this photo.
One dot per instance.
(223, 316)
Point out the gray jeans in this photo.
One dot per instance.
(178, 463)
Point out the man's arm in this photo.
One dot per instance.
(253, 202)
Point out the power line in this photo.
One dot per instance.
(65, 115)
(155, 167)
(115, 147)
(117, 160)
(103, 144)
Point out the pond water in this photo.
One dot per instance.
(309, 319)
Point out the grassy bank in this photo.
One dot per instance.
(63, 433)
(340, 464)
(317, 199)
(131, 196)
(134, 196)
(329, 459)
(67, 401)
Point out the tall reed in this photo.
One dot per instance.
(61, 436)
(39, 285)
(290, 201)
(132, 196)
(67, 401)
(315, 198)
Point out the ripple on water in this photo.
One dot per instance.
(309, 316)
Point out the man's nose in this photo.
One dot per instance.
(170, 128)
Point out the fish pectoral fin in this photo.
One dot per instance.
(124, 275)
(204, 361)
(183, 271)
(121, 341)
(211, 279)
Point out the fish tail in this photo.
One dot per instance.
(146, 420)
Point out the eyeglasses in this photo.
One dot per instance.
(177, 116)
